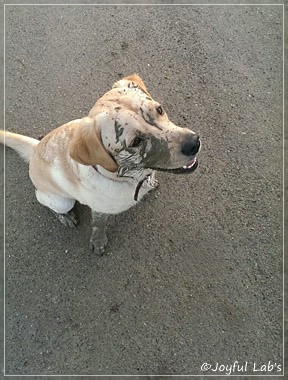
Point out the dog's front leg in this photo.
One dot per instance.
(98, 239)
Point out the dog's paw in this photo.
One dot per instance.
(98, 243)
(68, 220)
(96, 249)
(152, 182)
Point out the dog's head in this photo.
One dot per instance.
(132, 132)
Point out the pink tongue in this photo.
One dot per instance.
(189, 166)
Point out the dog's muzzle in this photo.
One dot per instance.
(190, 147)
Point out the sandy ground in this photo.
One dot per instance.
(193, 274)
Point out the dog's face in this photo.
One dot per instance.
(136, 131)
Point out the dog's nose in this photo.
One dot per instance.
(191, 146)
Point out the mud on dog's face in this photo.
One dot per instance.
(136, 131)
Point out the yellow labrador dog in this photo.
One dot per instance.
(108, 159)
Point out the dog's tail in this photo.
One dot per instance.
(22, 144)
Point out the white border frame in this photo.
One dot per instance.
(283, 189)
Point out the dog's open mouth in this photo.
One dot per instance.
(189, 168)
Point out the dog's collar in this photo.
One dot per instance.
(138, 187)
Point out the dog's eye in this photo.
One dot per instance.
(160, 110)
(136, 142)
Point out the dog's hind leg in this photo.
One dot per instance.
(98, 240)
(61, 207)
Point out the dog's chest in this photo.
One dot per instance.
(108, 196)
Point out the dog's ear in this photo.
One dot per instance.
(86, 146)
(132, 80)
